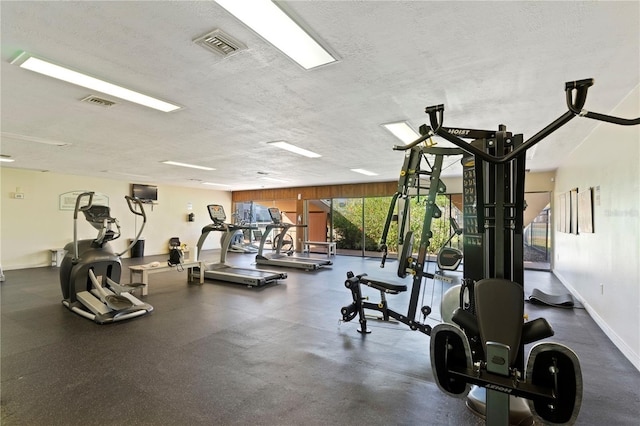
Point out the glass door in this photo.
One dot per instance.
(376, 210)
(537, 231)
(347, 226)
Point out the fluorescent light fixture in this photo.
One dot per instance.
(192, 166)
(214, 184)
(364, 172)
(274, 179)
(33, 139)
(402, 131)
(275, 26)
(113, 172)
(27, 61)
(295, 149)
(6, 159)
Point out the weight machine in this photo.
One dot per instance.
(484, 344)
(422, 162)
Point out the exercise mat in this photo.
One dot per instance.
(539, 297)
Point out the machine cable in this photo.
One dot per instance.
(409, 185)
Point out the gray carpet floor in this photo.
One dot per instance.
(225, 354)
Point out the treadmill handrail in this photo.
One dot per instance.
(280, 225)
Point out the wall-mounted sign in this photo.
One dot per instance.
(67, 201)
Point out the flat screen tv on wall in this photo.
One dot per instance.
(146, 193)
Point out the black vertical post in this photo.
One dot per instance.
(500, 187)
(436, 186)
(546, 237)
(519, 171)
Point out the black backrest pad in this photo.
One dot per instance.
(97, 214)
(500, 310)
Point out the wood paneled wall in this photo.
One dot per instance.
(378, 189)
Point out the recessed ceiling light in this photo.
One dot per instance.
(214, 184)
(30, 62)
(114, 172)
(274, 179)
(275, 26)
(34, 139)
(6, 159)
(192, 166)
(295, 149)
(402, 131)
(364, 172)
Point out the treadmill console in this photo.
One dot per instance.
(276, 217)
(216, 212)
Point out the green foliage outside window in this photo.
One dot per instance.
(348, 217)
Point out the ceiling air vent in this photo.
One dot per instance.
(219, 42)
(99, 101)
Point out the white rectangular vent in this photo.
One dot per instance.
(220, 42)
(99, 101)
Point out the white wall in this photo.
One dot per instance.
(33, 225)
(602, 269)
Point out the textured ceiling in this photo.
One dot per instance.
(489, 63)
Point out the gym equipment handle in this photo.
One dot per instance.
(434, 150)
(577, 85)
(138, 203)
(75, 220)
(412, 144)
(576, 96)
(86, 206)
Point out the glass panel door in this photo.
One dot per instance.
(376, 210)
(537, 231)
(318, 222)
(347, 232)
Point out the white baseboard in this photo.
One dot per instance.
(627, 351)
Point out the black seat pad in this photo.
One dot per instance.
(383, 285)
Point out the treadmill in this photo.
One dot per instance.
(286, 260)
(222, 271)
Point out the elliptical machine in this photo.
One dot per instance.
(449, 258)
(90, 270)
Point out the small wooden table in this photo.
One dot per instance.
(146, 270)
